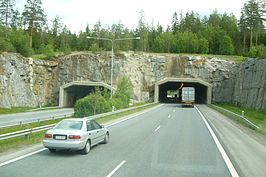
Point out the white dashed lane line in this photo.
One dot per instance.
(157, 128)
(116, 168)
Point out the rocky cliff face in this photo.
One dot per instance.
(28, 82)
(24, 81)
(246, 86)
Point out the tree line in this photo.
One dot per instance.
(28, 32)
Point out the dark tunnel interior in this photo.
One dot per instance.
(176, 96)
(76, 92)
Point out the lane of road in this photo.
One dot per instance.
(167, 141)
(26, 116)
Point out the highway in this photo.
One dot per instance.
(28, 116)
(168, 141)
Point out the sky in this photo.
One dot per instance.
(76, 14)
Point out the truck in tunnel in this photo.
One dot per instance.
(188, 96)
(169, 90)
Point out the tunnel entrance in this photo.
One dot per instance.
(71, 92)
(169, 90)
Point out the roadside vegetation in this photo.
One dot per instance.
(95, 103)
(19, 142)
(14, 110)
(255, 116)
(100, 101)
(215, 34)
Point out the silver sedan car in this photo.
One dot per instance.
(75, 134)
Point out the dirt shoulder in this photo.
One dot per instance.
(245, 147)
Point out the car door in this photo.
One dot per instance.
(99, 131)
(92, 133)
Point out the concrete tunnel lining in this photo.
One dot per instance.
(203, 89)
(70, 92)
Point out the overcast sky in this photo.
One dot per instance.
(76, 14)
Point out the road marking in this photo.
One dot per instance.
(220, 147)
(169, 116)
(174, 110)
(21, 157)
(116, 168)
(157, 128)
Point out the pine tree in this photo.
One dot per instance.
(16, 21)
(175, 23)
(6, 11)
(243, 27)
(34, 17)
(143, 32)
(253, 15)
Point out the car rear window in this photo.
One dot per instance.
(69, 125)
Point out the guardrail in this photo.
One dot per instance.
(10, 124)
(27, 132)
(242, 117)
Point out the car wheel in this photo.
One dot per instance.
(106, 138)
(87, 147)
(52, 150)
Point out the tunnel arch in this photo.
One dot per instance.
(203, 89)
(71, 92)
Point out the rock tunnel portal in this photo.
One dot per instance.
(168, 90)
(71, 92)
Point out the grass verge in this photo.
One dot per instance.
(14, 110)
(256, 117)
(122, 114)
(19, 142)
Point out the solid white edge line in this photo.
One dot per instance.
(22, 157)
(220, 147)
(40, 150)
(116, 168)
(157, 128)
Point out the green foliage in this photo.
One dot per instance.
(14, 110)
(49, 51)
(261, 51)
(123, 93)
(253, 52)
(203, 46)
(5, 45)
(19, 40)
(34, 17)
(6, 11)
(100, 102)
(255, 116)
(92, 104)
(28, 33)
(226, 47)
(95, 48)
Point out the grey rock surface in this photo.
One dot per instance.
(28, 82)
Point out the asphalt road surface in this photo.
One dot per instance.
(10, 119)
(169, 141)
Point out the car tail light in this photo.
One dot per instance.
(75, 137)
(48, 135)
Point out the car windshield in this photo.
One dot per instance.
(69, 125)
